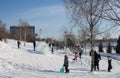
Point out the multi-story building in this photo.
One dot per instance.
(22, 32)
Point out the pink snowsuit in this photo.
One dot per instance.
(75, 56)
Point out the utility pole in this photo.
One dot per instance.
(65, 41)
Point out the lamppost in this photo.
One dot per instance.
(65, 41)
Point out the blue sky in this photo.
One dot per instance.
(49, 15)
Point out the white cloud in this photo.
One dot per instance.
(40, 12)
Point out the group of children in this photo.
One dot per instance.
(66, 62)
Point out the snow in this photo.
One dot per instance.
(43, 48)
(26, 63)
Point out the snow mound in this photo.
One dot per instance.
(4, 45)
(43, 48)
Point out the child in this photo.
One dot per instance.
(66, 64)
(75, 56)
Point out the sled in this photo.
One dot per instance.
(62, 70)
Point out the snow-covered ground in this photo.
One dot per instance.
(26, 63)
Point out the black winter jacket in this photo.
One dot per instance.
(66, 62)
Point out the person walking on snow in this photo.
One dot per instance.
(109, 63)
(18, 44)
(52, 49)
(80, 53)
(66, 64)
(34, 45)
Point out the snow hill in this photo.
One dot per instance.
(26, 63)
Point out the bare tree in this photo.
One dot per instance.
(112, 14)
(23, 30)
(112, 11)
(83, 13)
(3, 30)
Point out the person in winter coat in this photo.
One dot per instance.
(80, 53)
(52, 49)
(18, 44)
(97, 58)
(66, 64)
(75, 56)
(109, 63)
(90, 53)
(34, 45)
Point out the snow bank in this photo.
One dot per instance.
(26, 63)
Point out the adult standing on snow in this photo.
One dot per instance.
(109, 63)
(80, 53)
(66, 64)
(52, 49)
(34, 44)
(18, 44)
(97, 58)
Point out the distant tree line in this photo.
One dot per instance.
(118, 46)
(3, 31)
(109, 47)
